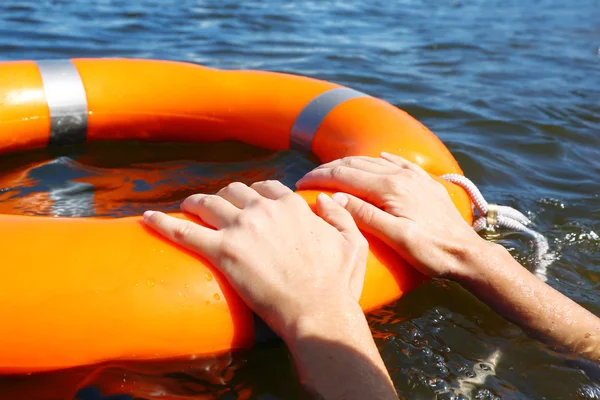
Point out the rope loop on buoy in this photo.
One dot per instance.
(490, 217)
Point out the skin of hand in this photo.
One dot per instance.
(401, 204)
(301, 272)
(398, 202)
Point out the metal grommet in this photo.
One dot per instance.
(492, 215)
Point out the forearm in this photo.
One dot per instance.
(336, 357)
(512, 291)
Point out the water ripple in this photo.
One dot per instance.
(512, 88)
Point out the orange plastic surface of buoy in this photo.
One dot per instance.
(81, 291)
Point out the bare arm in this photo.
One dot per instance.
(336, 357)
(402, 205)
(301, 273)
(494, 276)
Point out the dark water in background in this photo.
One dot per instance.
(511, 87)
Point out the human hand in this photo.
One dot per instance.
(399, 202)
(284, 261)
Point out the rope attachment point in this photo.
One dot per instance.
(490, 217)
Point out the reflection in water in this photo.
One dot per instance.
(191, 379)
(125, 179)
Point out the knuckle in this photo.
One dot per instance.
(273, 182)
(242, 219)
(183, 231)
(294, 201)
(277, 186)
(291, 197)
(406, 173)
(230, 250)
(223, 191)
(327, 212)
(247, 220)
(395, 208)
(388, 180)
(262, 184)
(205, 201)
(258, 184)
(390, 183)
(410, 173)
(235, 185)
(407, 165)
(260, 202)
(195, 198)
(348, 161)
(365, 213)
(198, 201)
(190, 201)
(338, 172)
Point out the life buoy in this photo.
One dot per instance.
(79, 291)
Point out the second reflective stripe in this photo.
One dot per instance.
(311, 117)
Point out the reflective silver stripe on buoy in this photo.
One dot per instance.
(66, 99)
(310, 118)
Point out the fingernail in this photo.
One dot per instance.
(385, 153)
(340, 198)
(324, 197)
(148, 214)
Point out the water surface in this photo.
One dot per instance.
(511, 87)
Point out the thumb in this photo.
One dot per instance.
(336, 216)
(369, 218)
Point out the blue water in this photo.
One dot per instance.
(511, 87)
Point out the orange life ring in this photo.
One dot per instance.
(79, 291)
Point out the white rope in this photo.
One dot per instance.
(492, 216)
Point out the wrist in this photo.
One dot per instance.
(474, 258)
(332, 320)
(332, 347)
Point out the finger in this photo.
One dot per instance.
(336, 215)
(369, 164)
(371, 219)
(199, 239)
(238, 194)
(271, 189)
(344, 179)
(214, 210)
(403, 163)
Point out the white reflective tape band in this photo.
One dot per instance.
(67, 102)
(313, 114)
